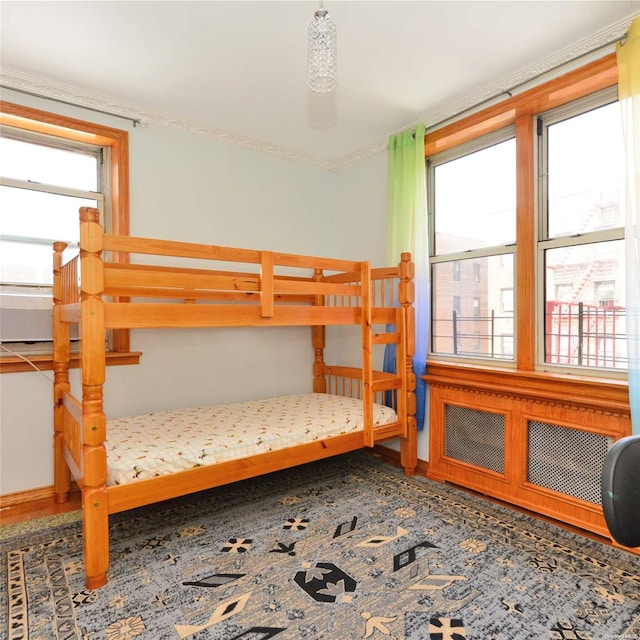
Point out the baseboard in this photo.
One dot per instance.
(32, 495)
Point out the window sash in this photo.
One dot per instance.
(569, 336)
(474, 334)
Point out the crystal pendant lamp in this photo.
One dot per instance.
(322, 64)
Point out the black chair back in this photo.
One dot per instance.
(621, 491)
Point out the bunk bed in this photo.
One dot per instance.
(110, 282)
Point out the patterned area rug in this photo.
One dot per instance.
(345, 549)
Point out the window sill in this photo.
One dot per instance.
(44, 362)
(590, 393)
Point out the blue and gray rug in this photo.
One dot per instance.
(345, 549)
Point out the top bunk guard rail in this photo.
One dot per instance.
(174, 248)
(263, 295)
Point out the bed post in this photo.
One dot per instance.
(406, 296)
(318, 340)
(61, 355)
(94, 457)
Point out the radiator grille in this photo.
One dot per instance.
(475, 437)
(567, 460)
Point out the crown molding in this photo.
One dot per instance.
(139, 115)
(578, 54)
(595, 46)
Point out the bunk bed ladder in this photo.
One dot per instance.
(389, 382)
(376, 384)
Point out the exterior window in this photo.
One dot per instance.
(472, 235)
(507, 346)
(506, 297)
(581, 251)
(564, 292)
(606, 293)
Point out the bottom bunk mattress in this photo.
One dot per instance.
(155, 444)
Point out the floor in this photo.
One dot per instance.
(46, 507)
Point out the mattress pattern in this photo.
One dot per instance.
(154, 444)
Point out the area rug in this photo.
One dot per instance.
(344, 549)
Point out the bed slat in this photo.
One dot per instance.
(136, 316)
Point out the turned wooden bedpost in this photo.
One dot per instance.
(366, 302)
(318, 340)
(92, 333)
(61, 356)
(406, 297)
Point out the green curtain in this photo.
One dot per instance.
(407, 231)
(407, 193)
(628, 58)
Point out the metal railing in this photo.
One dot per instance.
(576, 334)
(588, 335)
(489, 336)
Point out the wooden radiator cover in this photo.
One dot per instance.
(524, 438)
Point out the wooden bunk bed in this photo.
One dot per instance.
(98, 287)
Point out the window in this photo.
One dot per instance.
(581, 252)
(564, 292)
(43, 182)
(606, 293)
(507, 346)
(50, 166)
(551, 285)
(473, 232)
(506, 300)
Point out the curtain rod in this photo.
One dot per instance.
(509, 92)
(136, 121)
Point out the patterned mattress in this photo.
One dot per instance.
(156, 444)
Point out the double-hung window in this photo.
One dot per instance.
(472, 208)
(43, 182)
(50, 166)
(529, 220)
(581, 236)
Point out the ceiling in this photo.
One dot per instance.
(236, 69)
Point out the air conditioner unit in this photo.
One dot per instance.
(28, 318)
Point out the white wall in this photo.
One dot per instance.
(192, 187)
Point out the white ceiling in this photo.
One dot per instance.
(236, 69)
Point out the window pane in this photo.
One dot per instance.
(469, 318)
(585, 314)
(585, 172)
(30, 221)
(37, 163)
(475, 200)
(36, 214)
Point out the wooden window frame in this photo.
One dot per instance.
(38, 121)
(586, 391)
